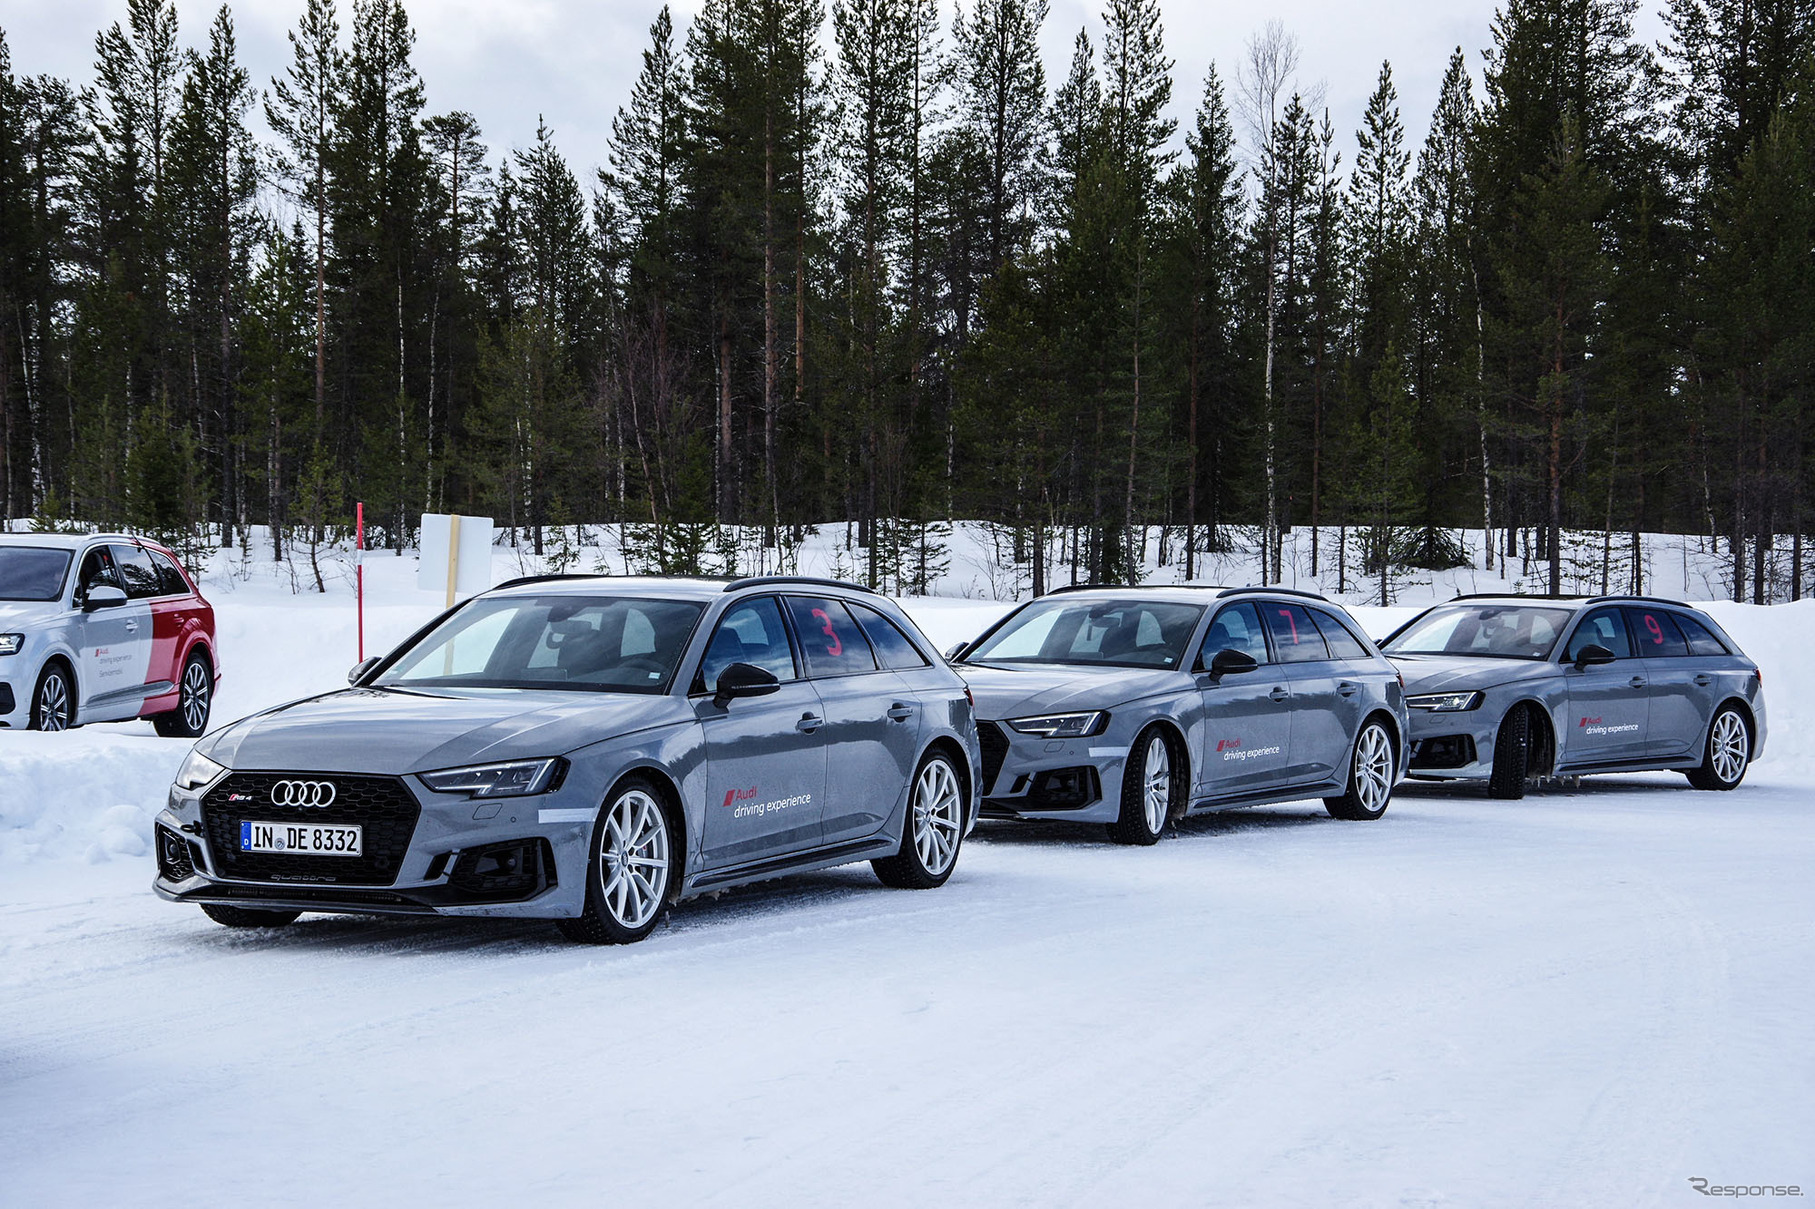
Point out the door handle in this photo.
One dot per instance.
(809, 723)
(900, 712)
(1347, 689)
(132, 627)
(1279, 694)
(1703, 681)
(1637, 682)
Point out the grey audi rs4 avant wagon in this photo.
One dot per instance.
(1505, 689)
(1132, 706)
(588, 749)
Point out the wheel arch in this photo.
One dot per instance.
(1744, 709)
(61, 659)
(669, 793)
(1178, 749)
(1541, 736)
(949, 746)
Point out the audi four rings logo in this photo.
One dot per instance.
(303, 793)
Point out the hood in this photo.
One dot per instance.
(22, 614)
(1023, 690)
(387, 731)
(1461, 673)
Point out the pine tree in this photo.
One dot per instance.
(1002, 98)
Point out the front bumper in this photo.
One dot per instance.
(1456, 745)
(511, 857)
(1026, 777)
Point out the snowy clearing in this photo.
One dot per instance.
(1584, 998)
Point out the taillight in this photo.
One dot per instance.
(1759, 675)
(968, 699)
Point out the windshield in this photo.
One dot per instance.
(1114, 633)
(1491, 631)
(31, 572)
(574, 643)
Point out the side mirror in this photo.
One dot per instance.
(1593, 655)
(360, 669)
(744, 680)
(103, 596)
(956, 650)
(1231, 662)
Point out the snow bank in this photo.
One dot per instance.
(86, 794)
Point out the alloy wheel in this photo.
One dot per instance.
(938, 811)
(1728, 748)
(53, 703)
(1156, 784)
(1373, 769)
(633, 859)
(195, 696)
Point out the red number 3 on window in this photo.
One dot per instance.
(834, 645)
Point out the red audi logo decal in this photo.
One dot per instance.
(303, 793)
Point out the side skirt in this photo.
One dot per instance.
(1292, 793)
(795, 862)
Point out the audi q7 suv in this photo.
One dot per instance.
(588, 750)
(1132, 706)
(1508, 688)
(102, 628)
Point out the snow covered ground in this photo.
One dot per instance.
(1584, 998)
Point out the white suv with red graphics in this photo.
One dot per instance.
(102, 628)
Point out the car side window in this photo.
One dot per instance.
(1295, 635)
(1342, 642)
(140, 577)
(893, 648)
(1656, 634)
(1235, 628)
(751, 631)
(829, 637)
(1603, 627)
(173, 582)
(1700, 638)
(96, 572)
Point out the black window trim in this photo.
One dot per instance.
(857, 610)
(1321, 615)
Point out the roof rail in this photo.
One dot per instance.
(548, 578)
(1636, 596)
(1516, 596)
(1274, 592)
(1132, 588)
(763, 581)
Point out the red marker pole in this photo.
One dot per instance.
(359, 572)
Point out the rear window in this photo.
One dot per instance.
(829, 637)
(32, 572)
(173, 581)
(1656, 633)
(1700, 638)
(1295, 636)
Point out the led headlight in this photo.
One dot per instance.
(1062, 726)
(1445, 703)
(197, 771)
(518, 778)
(11, 644)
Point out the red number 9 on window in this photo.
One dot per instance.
(834, 644)
(1657, 631)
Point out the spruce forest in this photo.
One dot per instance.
(871, 266)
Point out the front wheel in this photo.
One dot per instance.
(1729, 751)
(53, 701)
(1147, 791)
(1512, 756)
(932, 832)
(195, 697)
(629, 871)
(1370, 777)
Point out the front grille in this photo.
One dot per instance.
(995, 750)
(383, 806)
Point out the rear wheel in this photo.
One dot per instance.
(1371, 777)
(1729, 750)
(195, 697)
(1147, 791)
(248, 917)
(932, 832)
(54, 700)
(630, 870)
(1512, 756)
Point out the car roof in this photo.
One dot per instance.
(704, 588)
(1564, 602)
(1197, 594)
(69, 541)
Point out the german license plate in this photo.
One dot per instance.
(300, 839)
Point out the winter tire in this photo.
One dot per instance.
(631, 872)
(248, 917)
(1729, 751)
(195, 698)
(1150, 791)
(932, 831)
(1371, 776)
(54, 700)
(1512, 756)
